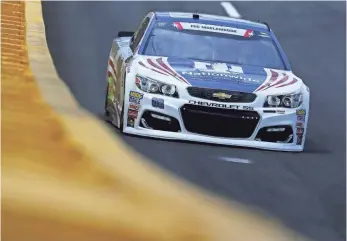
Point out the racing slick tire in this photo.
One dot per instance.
(121, 121)
(108, 115)
(106, 112)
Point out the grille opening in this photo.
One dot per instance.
(236, 96)
(219, 122)
(159, 121)
(284, 134)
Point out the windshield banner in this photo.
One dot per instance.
(213, 28)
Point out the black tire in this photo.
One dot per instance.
(122, 113)
(106, 112)
(121, 125)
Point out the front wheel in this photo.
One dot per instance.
(106, 112)
(121, 119)
(109, 116)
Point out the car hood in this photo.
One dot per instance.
(214, 75)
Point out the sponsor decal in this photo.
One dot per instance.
(134, 100)
(301, 112)
(299, 139)
(269, 111)
(227, 76)
(131, 122)
(247, 108)
(299, 131)
(300, 118)
(300, 124)
(218, 67)
(219, 105)
(213, 28)
(280, 111)
(135, 97)
(133, 106)
(158, 103)
(216, 105)
(132, 113)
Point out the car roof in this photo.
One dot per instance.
(211, 19)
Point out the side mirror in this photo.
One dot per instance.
(125, 34)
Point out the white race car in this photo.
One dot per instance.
(206, 78)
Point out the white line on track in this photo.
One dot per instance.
(230, 9)
(237, 160)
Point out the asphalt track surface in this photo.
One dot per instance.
(306, 191)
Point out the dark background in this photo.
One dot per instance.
(306, 190)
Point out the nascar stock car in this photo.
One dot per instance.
(206, 78)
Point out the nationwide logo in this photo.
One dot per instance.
(222, 75)
(221, 96)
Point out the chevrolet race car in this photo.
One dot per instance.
(206, 78)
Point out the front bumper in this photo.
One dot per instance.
(177, 119)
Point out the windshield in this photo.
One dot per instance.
(213, 43)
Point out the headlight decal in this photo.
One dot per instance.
(293, 100)
(155, 86)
